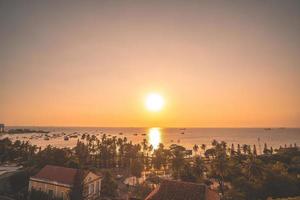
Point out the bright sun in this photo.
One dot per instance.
(154, 102)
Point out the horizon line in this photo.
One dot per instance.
(71, 126)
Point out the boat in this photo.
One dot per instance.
(46, 138)
(120, 133)
(66, 138)
(267, 129)
(135, 134)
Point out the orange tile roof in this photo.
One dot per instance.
(58, 174)
(178, 190)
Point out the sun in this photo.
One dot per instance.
(154, 102)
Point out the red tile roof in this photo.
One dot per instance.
(178, 190)
(58, 174)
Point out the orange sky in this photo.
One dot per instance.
(93, 63)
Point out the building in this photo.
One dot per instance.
(59, 182)
(178, 190)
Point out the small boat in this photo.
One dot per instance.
(135, 134)
(46, 138)
(143, 134)
(267, 129)
(120, 133)
(66, 138)
(182, 133)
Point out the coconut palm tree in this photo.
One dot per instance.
(253, 169)
(199, 167)
(195, 148)
(177, 156)
(219, 169)
(203, 147)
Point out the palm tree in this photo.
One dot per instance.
(239, 150)
(245, 148)
(203, 147)
(199, 167)
(195, 148)
(214, 143)
(120, 145)
(254, 150)
(219, 167)
(253, 169)
(232, 151)
(145, 145)
(177, 154)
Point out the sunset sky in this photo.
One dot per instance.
(216, 64)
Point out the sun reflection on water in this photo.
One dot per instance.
(154, 137)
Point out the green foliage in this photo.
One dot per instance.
(137, 168)
(19, 180)
(108, 186)
(39, 195)
(141, 191)
(250, 176)
(187, 173)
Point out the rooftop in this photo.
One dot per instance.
(58, 174)
(178, 190)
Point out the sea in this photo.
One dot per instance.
(187, 137)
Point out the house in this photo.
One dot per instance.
(178, 190)
(59, 182)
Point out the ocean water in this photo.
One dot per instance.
(274, 137)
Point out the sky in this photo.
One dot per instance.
(92, 63)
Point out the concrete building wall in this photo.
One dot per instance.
(91, 186)
(56, 190)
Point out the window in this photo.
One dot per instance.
(50, 192)
(97, 187)
(91, 188)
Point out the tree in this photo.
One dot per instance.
(177, 157)
(195, 149)
(187, 174)
(253, 169)
(203, 147)
(136, 168)
(219, 169)
(232, 151)
(254, 150)
(39, 195)
(199, 167)
(108, 186)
